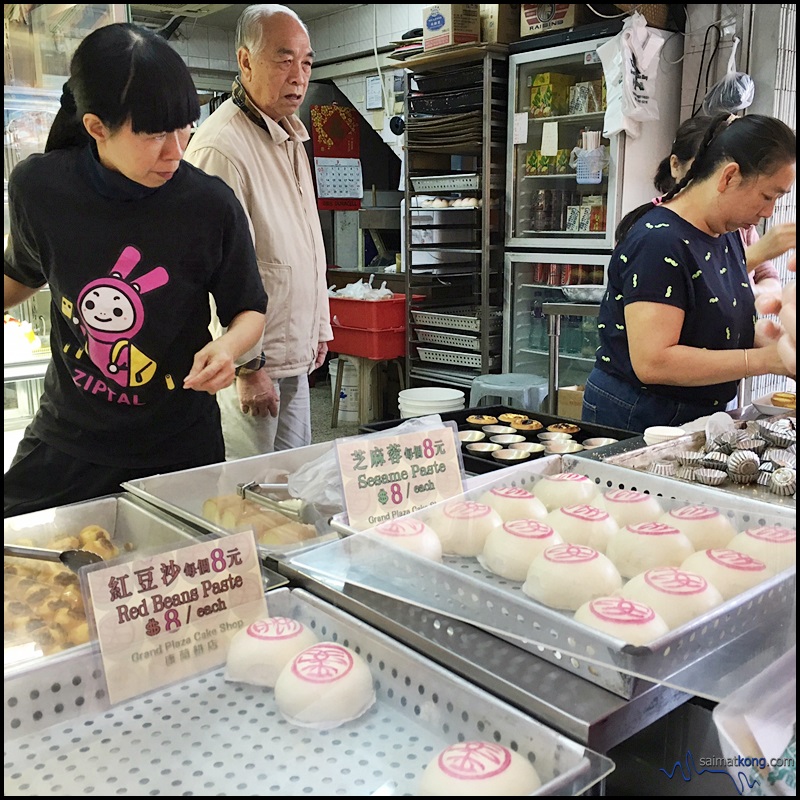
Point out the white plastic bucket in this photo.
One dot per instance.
(348, 396)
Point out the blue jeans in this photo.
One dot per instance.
(618, 404)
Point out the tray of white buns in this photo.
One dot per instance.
(209, 498)
(311, 701)
(613, 575)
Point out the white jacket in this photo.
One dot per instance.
(270, 174)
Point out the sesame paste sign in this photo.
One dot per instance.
(392, 475)
(166, 617)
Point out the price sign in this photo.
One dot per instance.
(169, 616)
(389, 476)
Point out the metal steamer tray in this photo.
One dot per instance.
(183, 494)
(760, 619)
(206, 736)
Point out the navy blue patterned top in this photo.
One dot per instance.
(665, 259)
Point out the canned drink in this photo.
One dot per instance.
(540, 272)
(554, 276)
(566, 275)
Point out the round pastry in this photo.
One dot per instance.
(463, 525)
(772, 544)
(784, 400)
(323, 686)
(676, 596)
(509, 418)
(629, 507)
(564, 489)
(478, 769)
(637, 548)
(413, 535)
(481, 419)
(527, 424)
(705, 527)
(511, 547)
(513, 503)
(564, 427)
(259, 652)
(729, 571)
(567, 575)
(583, 524)
(634, 623)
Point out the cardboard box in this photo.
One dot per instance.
(570, 401)
(548, 100)
(547, 18)
(500, 23)
(553, 78)
(451, 24)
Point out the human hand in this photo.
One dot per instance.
(212, 368)
(322, 351)
(257, 394)
(775, 242)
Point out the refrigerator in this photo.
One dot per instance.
(567, 188)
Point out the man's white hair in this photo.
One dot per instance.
(250, 25)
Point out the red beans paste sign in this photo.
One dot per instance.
(165, 617)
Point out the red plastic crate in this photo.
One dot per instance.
(371, 315)
(376, 344)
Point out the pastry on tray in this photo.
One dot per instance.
(508, 418)
(527, 424)
(564, 427)
(481, 419)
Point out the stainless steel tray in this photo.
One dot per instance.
(205, 736)
(182, 494)
(636, 455)
(461, 588)
(134, 527)
(465, 318)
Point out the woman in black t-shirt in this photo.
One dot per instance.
(131, 241)
(677, 325)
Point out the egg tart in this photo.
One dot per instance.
(564, 427)
(509, 418)
(481, 419)
(527, 424)
(784, 400)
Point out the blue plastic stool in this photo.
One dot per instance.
(514, 389)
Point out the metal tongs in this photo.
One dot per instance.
(275, 496)
(72, 559)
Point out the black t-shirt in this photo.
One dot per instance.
(665, 259)
(130, 270)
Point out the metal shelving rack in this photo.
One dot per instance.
(456, 119)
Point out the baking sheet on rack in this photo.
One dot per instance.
(708, 656)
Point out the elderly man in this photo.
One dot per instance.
(254, 142)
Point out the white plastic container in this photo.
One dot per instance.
(348, 395)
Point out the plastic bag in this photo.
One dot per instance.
(757, 727)
(733, 93)
(630, 65)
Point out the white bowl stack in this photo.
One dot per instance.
(662, 433)
(429, 400)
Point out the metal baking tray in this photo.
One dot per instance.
(461, 588)
(455, 357)
(205, 736)
(182, 494)
(134, 527)
(636, 455)
(465, 318)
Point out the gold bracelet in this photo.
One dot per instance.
(746, 365)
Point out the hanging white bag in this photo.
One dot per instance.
(733, 93)
(641, 47)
